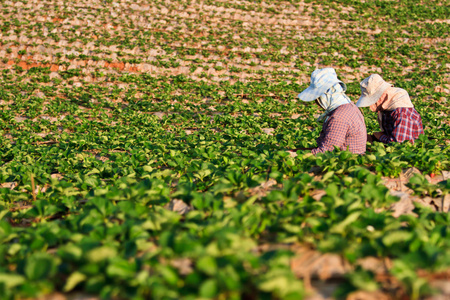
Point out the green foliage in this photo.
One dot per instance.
(107, 147)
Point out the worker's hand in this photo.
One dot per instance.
(377, 135)
(292, 153)
(370, 138)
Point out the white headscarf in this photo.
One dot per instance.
(333, 98)
(391, 99)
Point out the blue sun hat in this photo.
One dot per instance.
(321, 81)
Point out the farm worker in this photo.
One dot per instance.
(343, 125)
(398, 119)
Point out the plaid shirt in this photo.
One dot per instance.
(401, 124)
(345, 127)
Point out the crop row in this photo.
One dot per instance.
(142, 150)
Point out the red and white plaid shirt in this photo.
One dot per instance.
(345, 127)
(401, 124)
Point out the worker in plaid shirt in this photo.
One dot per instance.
(344, 125)
(398, 119)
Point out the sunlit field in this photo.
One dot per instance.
(143, 151)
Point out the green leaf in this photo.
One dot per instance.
(11, 280)
(363, 280)
(208, 289)
(74, 279)
(398, 236)
(332, 190)
(91, 181)
(327, 176)
(274, 284)
(4, 213)
(208, 265)
(121, 268)
(169, 275)
(101, 253)
(39, 266)
(147, 168)
(70, 252)
(340, 227)
(371, 157)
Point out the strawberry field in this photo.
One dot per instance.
(143, 151)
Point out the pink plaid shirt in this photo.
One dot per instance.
(401, 124)
(345, 127)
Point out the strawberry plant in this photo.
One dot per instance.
(143, 151)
